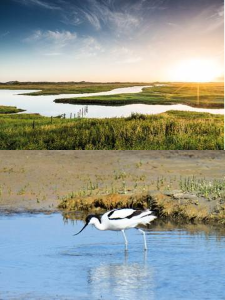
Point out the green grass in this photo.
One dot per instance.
(9, 110)
(211, 95)
(171, 130)
(56, 88)
(209, 189)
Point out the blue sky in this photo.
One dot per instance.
(106, 40)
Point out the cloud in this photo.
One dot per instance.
(172, 24)
(216, 20)
(87, 47)
(93, 19)
(219, 13)
(124, 55)
(102, 14)
(58, 38)
(55, 43)
(120, 18)
(40, 3)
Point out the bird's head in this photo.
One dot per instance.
(91, 219)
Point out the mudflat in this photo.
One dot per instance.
(39, 180)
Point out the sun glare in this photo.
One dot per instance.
(196, 70)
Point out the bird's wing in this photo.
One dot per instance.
(123, 213)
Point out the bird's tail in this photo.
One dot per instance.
(147, 217)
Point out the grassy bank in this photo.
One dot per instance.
(165, 206)
(9, 109)
(171, 130)
(198, 200)
(55, 88)
(204, 95)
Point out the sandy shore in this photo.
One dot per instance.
(38, 180)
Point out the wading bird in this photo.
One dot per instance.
(121, 219)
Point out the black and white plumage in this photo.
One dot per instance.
(120, 220)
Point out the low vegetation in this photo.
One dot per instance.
(164, 206)
(9, 109)
(203, 95)
(56, 88)
(171, 130)
(211, 190)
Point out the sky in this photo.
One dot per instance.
(107, 40)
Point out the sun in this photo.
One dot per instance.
(195, 70)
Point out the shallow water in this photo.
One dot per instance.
(46, 106)
(41, 259)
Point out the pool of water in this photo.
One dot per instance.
(46, 106)
(41, 259)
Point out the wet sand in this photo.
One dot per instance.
(38, 180)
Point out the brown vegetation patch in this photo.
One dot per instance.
(165, 207)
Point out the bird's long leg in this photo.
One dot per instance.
(125, 239)
(145, 244)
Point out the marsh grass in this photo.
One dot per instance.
(163, 206)
(9, 109)
(171, 130)
(211, 96)
(55, 88)
(209, 189)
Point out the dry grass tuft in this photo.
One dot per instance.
(165, 207)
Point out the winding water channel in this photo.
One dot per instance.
(46, 106)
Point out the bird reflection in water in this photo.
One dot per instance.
(123, 281)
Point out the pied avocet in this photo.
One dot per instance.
(121, 219)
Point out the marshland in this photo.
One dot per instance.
(153, 117)
(200, 95)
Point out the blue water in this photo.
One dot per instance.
(41, 259)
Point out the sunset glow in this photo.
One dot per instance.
(196, 70)
(111, 40)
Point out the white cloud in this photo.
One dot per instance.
(101, 14)
(40, 3)
(221, 12)
(216, 20)
(93, 19)
(58, 38)
(55, 43)
(88, 47)
(124, 55)
(121, 51)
